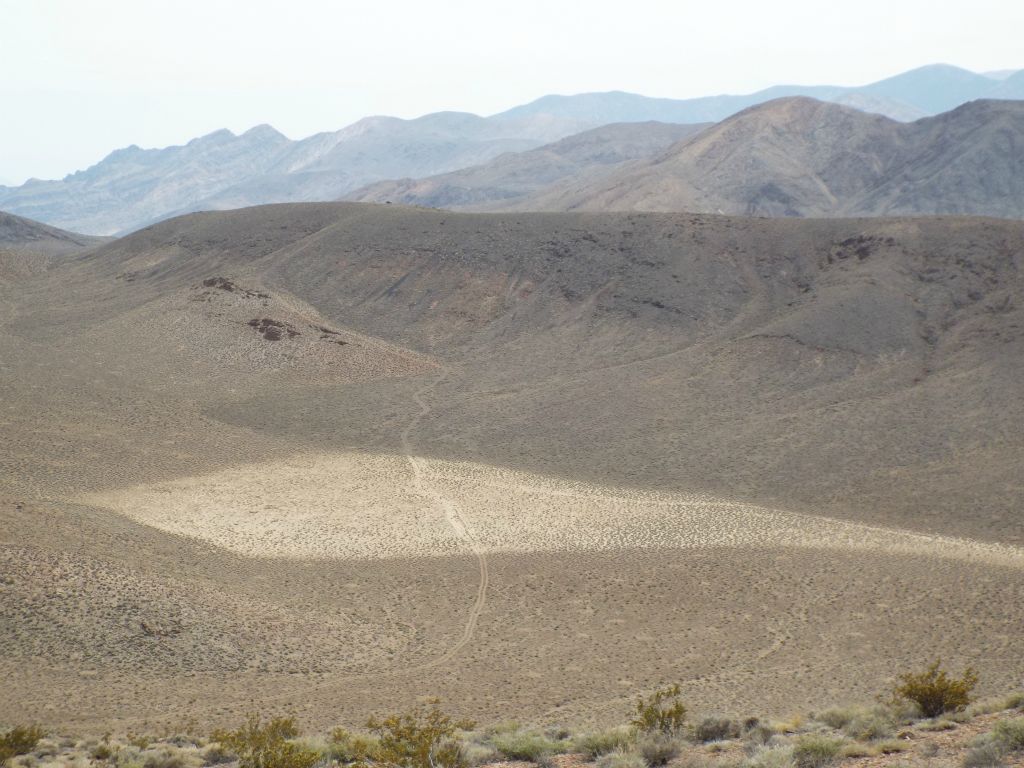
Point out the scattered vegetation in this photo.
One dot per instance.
(934, 691)
(20, 740)
(428, 738)
(661, 712)
(423, 738)
(269, 745)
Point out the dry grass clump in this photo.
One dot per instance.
(20, 740)
(1010, 734)
(527, 744)
(816, 750)
(659, 748)
(621, 758)
(771, 756)
(593, 745)
(934, 691)
(269, 745)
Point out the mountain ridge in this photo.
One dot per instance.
(132, 187)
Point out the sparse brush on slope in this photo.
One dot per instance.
(661, 712)
(20, 740)
(423, 738)
(269, 745)
(934, 691)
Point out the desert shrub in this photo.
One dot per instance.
(1009, 734)
(526, 745)
(758, 736)
(715, 729)
(598, 743)
(347, 747)
(983, 752)
(165, 758)
(477, 754)
(854, 749)
(216, 754)
(621, 758)
(934, 691)
(661, 712)
(869, 725)
(140, 742)
(777, 756)
(20, 740)
(1014, 701)
(837, 717)
(816, 750)
(658, 748)
(269, 745)
(423, 738)
(101, 751)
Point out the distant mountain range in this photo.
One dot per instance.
(788, 157)
(133, 187)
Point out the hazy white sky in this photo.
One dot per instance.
(79, 78)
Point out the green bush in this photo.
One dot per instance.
(266, 746)
(1009, 734)
(598, 743)
(423, 738)
(661, 712)
(816, 750)
(20, 740)
(934, 691)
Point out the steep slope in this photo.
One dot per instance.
(511, 177)
(800, 157)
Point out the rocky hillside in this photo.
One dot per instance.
(802, 157)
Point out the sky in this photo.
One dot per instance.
(79, 79)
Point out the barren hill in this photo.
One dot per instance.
(28, 246)
(801, 157)
(331, 458)
(517, 176)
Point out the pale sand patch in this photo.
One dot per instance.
(356, 505)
